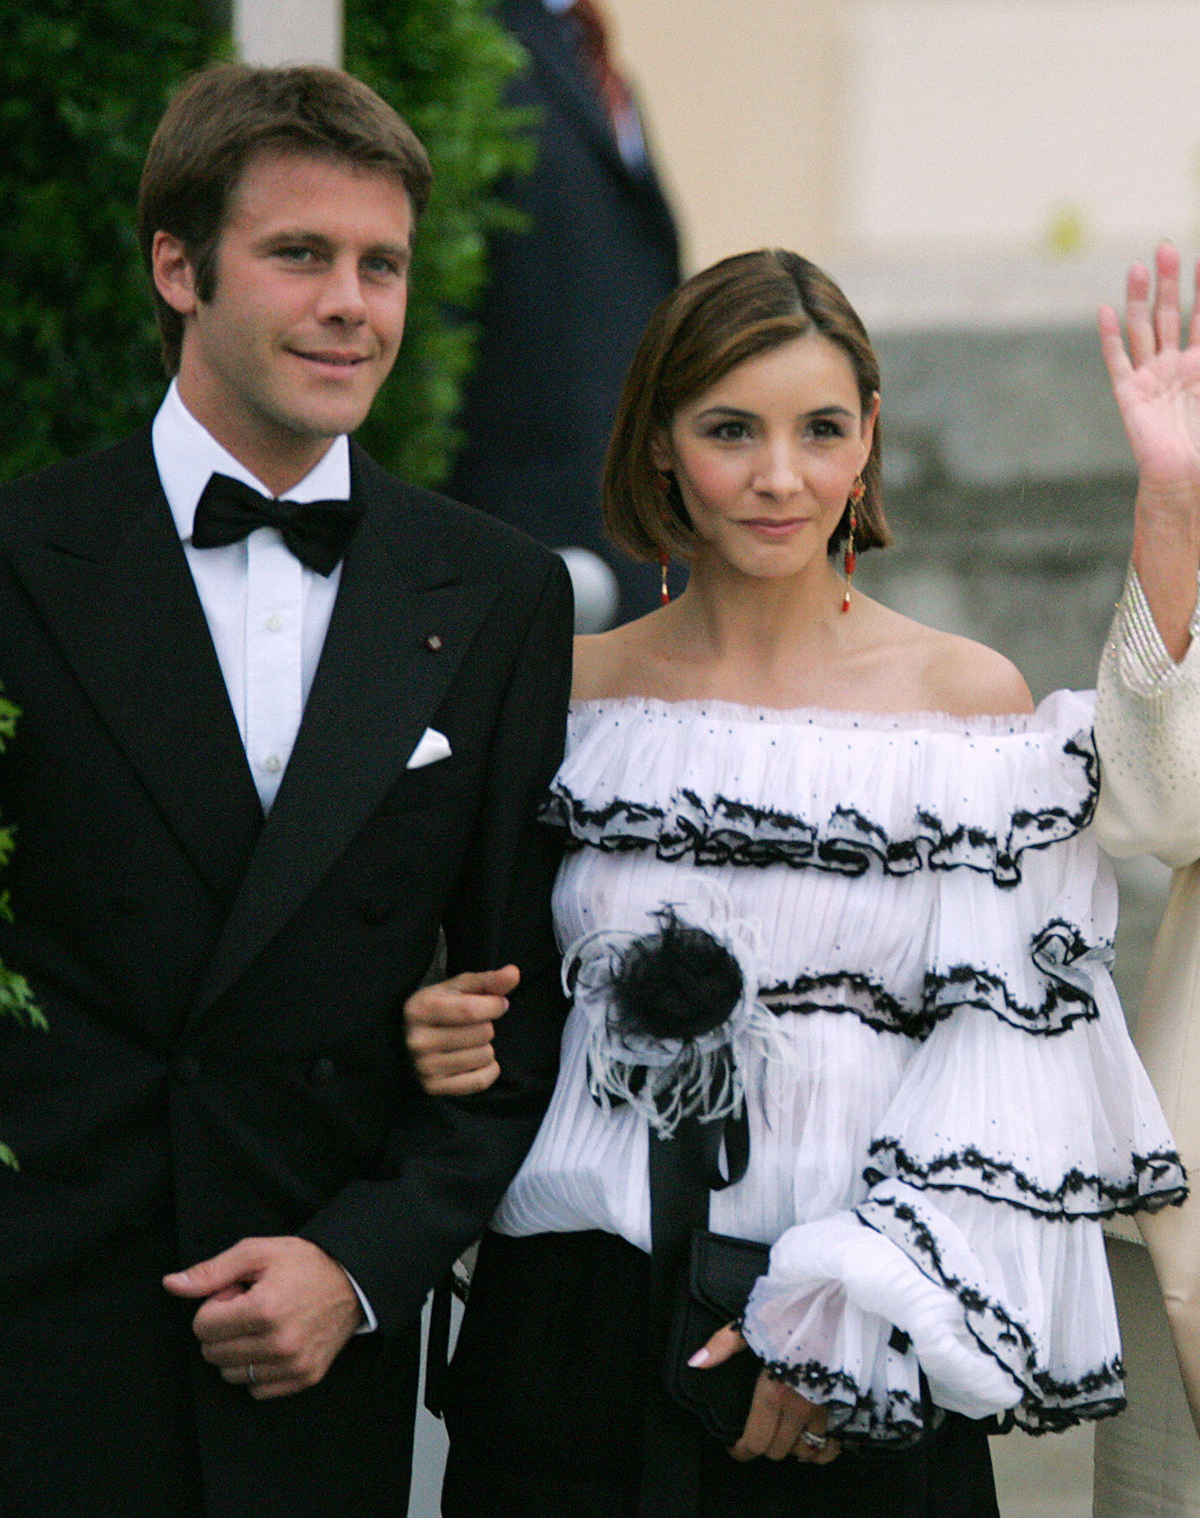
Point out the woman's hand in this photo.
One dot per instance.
(1156, 383)
(781, 1422)
(449, 1026)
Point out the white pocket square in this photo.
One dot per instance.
(432, 747)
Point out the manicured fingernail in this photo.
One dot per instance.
(701, 1357)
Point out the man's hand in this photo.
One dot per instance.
(448, 1027)
(276, 1313)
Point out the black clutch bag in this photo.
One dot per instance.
(720, 1273)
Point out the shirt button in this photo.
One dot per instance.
(271, 764)
(274, 623)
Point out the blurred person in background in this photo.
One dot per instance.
(1148, 736)
(567, 301)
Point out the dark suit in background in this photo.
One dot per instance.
(225, 1054)
(567, 302)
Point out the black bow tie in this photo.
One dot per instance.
(317, 532)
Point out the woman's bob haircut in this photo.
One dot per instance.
(714, 321)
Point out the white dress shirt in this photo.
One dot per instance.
(267, 613)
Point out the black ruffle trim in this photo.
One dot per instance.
(1059, 951)
(725, 831)
(855, 1417)
(1049, 1404)
(1158, 1181)
(848, 991)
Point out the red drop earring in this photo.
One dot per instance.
(662, 485)
(851, 560)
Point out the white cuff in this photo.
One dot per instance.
(372, 1322)
(1143, 661)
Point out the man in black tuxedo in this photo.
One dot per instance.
(267, 748)
(568, 297)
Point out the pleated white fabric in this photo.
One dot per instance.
(952, 1102)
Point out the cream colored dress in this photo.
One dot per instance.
(1148, 735)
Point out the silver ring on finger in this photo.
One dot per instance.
(251, 1376)
(814, 1441)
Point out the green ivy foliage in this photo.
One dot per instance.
(15, 997)
(443, 64)
(82, 84)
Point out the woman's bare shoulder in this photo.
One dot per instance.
(607, 664)
(912, 667)
(969, 679)
(593, 656)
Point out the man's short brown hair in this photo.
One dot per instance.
(220, 119)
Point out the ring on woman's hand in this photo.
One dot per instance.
(252, 1379)
(814, 1441)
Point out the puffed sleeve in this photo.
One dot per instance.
(1023, 1117)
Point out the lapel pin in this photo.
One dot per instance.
(433, 643)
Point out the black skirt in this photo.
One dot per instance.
(548, 1395)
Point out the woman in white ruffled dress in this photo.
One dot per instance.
(867, 819)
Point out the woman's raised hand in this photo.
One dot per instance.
(1156, 381)
(449, 1026)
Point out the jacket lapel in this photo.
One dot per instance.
(111, 583)
(376, 690)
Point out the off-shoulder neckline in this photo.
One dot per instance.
(1046, 715)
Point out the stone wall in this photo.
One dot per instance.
(1009, 487)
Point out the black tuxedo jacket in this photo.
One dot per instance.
(225, 1049)
(566, 303)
